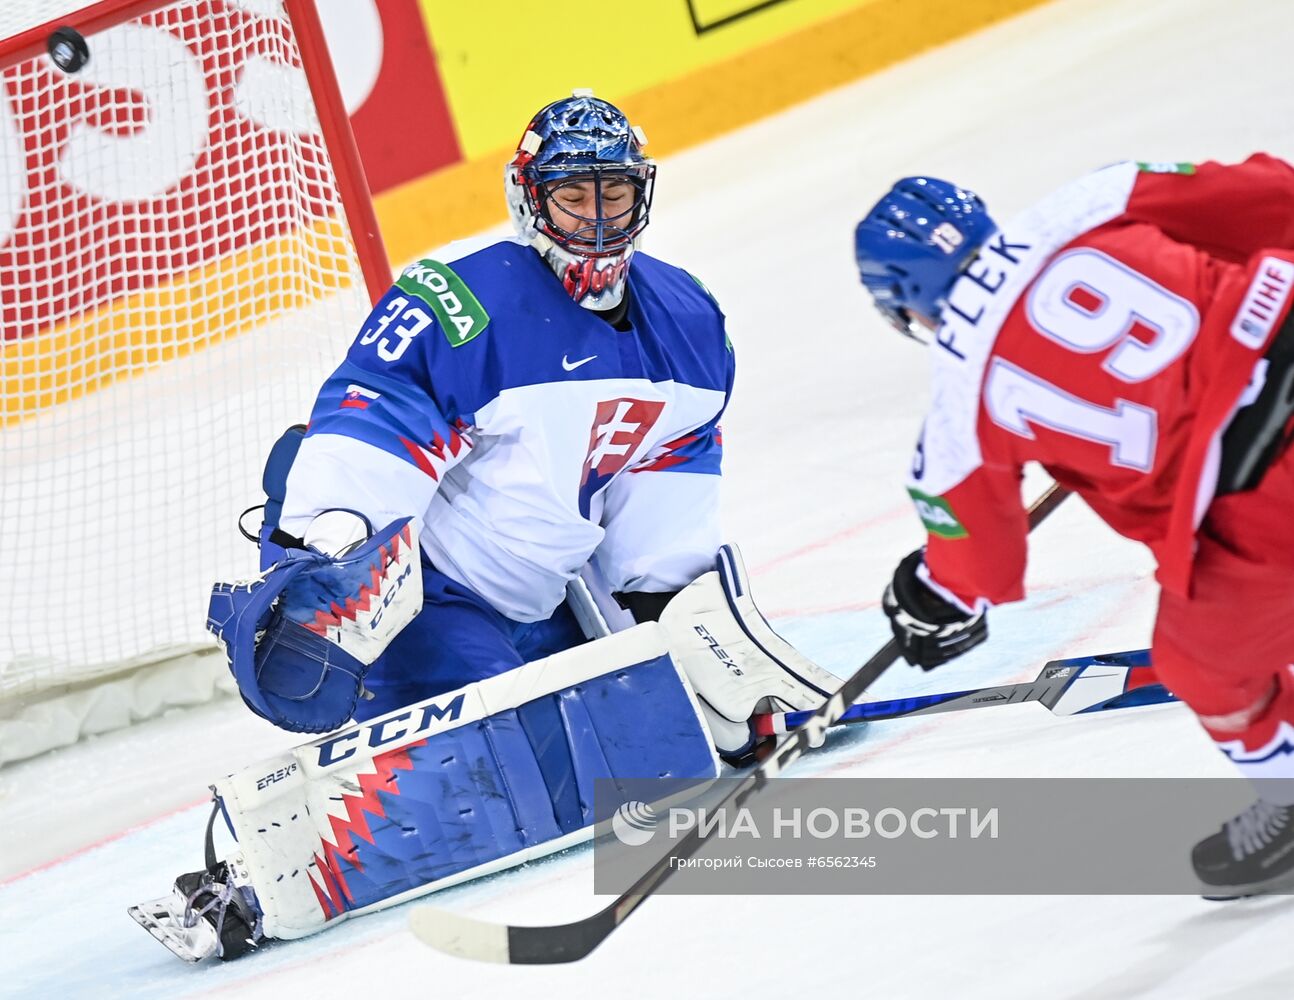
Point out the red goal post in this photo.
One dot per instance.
(187, 245)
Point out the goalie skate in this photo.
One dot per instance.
(206, 914)
(185, 935)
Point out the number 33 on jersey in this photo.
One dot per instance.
(1089, 340)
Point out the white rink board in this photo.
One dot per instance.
(827, 406)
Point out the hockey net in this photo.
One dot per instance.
(177, 276)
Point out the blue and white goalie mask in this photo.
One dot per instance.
(579, 190)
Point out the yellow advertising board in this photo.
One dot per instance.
(686, 70)
(501, 60)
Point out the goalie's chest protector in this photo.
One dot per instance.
(560, 401)
(467, 783)
(514, 413)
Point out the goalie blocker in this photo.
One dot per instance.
(737, 664)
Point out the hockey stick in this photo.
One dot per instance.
(1064, 687)
(544, 945)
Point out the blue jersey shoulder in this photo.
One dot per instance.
(680, 326)
(498, 318)
(684, 313)
(678, 288)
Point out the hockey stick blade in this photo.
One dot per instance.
(557, 943)
(483, 941)
(1081, 684)
(461, 936)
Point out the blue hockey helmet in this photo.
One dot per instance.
(914, 243)
(582, 140)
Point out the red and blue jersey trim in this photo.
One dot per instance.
(700, 451)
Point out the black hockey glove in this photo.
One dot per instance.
(930, 631)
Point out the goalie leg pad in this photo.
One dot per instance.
(736, 662)
(470, 782)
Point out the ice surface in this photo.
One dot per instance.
(817, 438)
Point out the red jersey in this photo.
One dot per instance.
(1108, 334)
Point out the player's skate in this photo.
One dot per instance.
(1251, 854)
(207, 913)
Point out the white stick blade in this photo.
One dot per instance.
(1094, 686)
(458, 935)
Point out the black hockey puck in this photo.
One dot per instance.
(68, 49)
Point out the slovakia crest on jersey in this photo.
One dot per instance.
(619, 427)
(358, 398)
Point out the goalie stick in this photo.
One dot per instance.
(1064, 687)
(486, 941)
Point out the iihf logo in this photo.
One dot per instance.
(634, 823)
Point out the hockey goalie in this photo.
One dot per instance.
(504, 419)
(468, 782)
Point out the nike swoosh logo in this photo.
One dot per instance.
(570, 366)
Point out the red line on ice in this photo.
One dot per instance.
(63, 859)
(893, 514)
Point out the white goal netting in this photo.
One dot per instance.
(176, 279)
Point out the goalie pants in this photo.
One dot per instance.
(1230, 645)
(457, 638)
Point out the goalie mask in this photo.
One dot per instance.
(579, 191)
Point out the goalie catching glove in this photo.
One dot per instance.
(929, 629)
(301, 637)
(734, 660)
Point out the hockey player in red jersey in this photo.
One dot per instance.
(1132, 334)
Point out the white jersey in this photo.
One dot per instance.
(528, 434)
